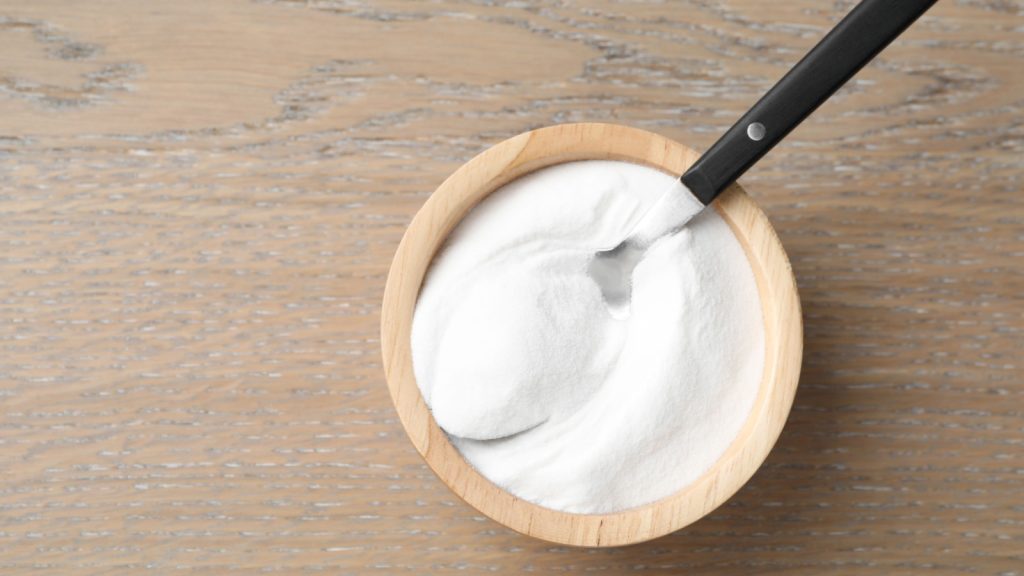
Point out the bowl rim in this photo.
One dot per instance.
(514, 158)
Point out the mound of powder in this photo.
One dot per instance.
(541, 388)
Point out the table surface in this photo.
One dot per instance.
(200, 201)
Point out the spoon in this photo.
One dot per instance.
(854, 42)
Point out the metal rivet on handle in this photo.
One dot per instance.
(755, 131)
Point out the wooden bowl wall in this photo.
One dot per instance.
(780, 303)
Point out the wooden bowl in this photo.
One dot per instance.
(505, 162)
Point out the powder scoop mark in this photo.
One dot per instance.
(503, 365)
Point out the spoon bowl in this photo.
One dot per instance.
(780, 304)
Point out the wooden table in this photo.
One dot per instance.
(199, 204)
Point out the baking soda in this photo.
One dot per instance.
(550, 393)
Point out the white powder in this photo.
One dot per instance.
(511, 340)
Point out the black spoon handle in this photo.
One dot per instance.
(858, 38)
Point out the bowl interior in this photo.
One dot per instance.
(780, 304)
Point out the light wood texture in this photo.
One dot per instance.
(512, 159)
(199, 202)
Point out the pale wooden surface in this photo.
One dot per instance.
(505, 162)
(199, 203)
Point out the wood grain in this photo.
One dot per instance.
(200, 200)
